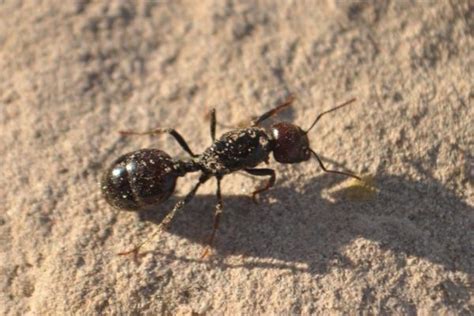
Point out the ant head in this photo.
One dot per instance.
(291, 144)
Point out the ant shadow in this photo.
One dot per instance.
(411, 218)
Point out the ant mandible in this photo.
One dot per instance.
(148, 176)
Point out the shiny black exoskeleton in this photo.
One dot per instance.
(148, 176)
(143, 177)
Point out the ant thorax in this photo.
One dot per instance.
(236, 150)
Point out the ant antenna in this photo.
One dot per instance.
(333, 171)
(316, 155)
(328, 111)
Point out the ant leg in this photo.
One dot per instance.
(217, 217)
(167, 220)
(158, 131)
(289, 100)
(213, 124)
(262, 172)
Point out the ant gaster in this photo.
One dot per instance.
(148, 176)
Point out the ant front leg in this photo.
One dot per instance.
(289, 100)
(159, 131)
(262, 172)
(217, 216)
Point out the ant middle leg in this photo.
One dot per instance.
(262, 172)
(165, 223)
(289, 100)
(213, 124)
(217, 216)
(159, 131)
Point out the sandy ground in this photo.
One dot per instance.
(74, 73)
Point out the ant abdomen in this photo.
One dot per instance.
(138, 179)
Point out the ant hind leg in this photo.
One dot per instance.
(165, 223)
(177, 136)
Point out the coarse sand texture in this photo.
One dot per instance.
(75, 73)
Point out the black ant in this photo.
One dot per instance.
(148, 176)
